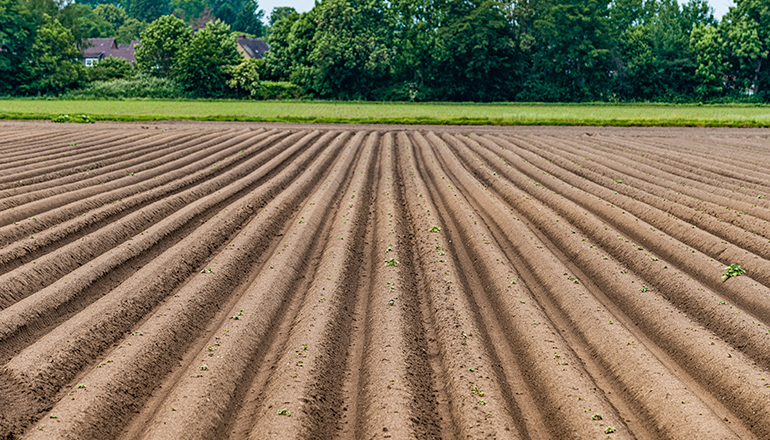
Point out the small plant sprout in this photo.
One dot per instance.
(207, 270)
(610, 430)
(82, 385)
(732, 270)
(204, 368)
(392, 302)
(284, 412)
(596, 417)
(238, 315)
(644, 289)
(434, 229)
(391, 262)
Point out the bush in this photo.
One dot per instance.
(143, 86)
(77, 119)
(279, 90)
(109, 69)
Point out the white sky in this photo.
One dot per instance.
(720, 6)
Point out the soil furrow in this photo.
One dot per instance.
(464, 357)
(256, 280)
(45, 214)
(547, 373)
(131, 163)
(217, 385)
(703, 361)
(57, 357)
(705, 306)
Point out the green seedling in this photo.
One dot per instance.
(204, 368)
(207, 270)
(392, 302)
(434, 229)
(82, 385)
(644, 289)
(238, 315)
(391, 262)
(732, 270)
(284, 412)
(596, 417)
(610, 430)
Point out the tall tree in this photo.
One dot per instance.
(56, 63)
(17, 30)
(148, 10)
(710, 49)
(478, 56)
(163, 39)
(115, 15)
(204, 65)
(571, 52)
(131, 30)
(280, 12)
(748, 31)
(350, 57)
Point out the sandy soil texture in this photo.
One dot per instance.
(278, 281)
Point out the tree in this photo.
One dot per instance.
(112, 14)
(203, 66)
(17, 28)
(244, 77)
(148, 10)
(84, 23)
(248, 19)
(130, 31)
(278, 59)
(350, 56)
(478, 57)
(280, 12)
(56, 62)
(708, 45)
(111, 68)
(161, 42)
(571, 52)
(748, 32)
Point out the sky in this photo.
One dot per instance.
(720, 6)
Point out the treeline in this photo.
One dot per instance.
(408, 50)
(525, 50)
(41, 41)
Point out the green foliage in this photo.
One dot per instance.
(732, 270)
(279, 90)
(350, 57)
(112, 14)
(56, 64)
(130, 31)
(478, 56)
(84, 22)
(111, 68)
(280, 12)
(148, 10)
(76, 119)
(244, 77)
(163, 39)
(203, 66)
(708, 45)
(17, 29)
(748, 33)
(141, 86)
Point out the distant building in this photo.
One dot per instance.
(252, 47)
(101, 48)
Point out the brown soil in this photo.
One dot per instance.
(233, 280)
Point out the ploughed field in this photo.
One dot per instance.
(208, 281)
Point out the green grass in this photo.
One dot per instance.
(395, 113)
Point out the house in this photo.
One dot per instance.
(252, 47)
(101, 48)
